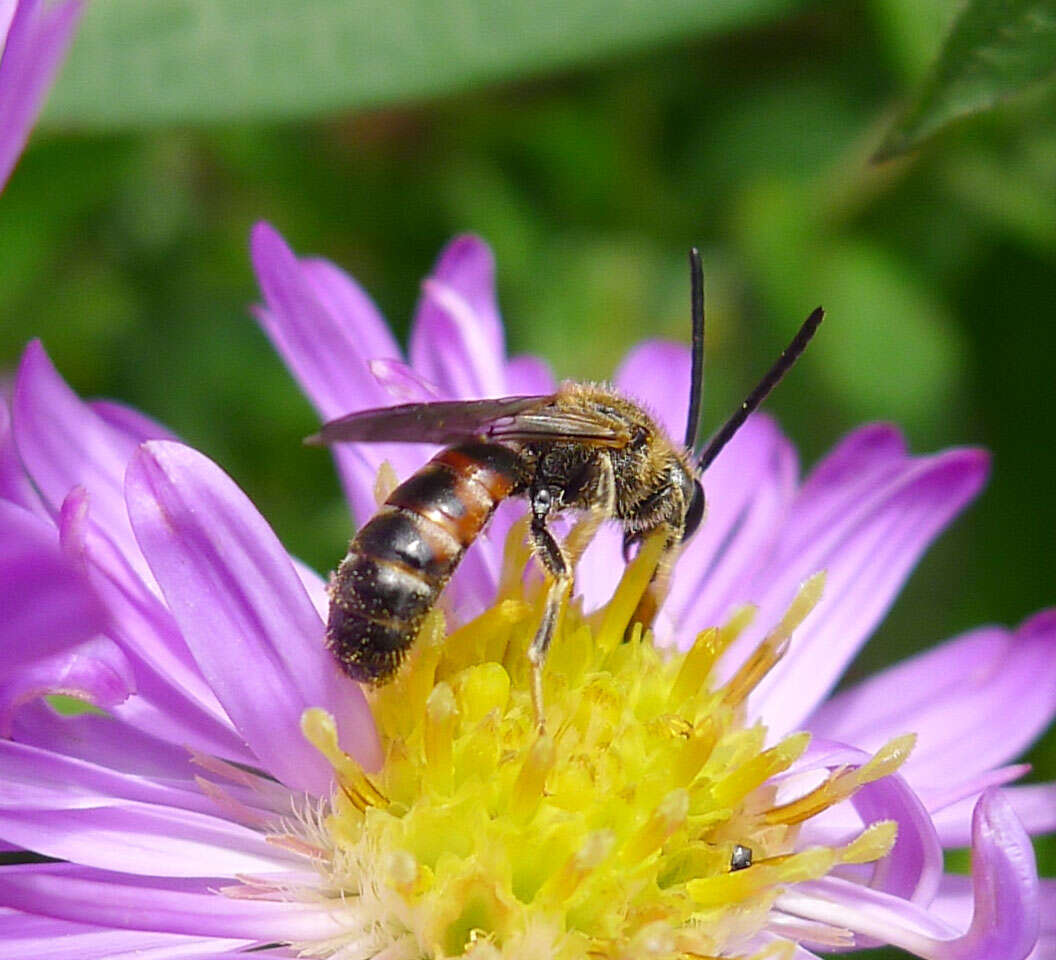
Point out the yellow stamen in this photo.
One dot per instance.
(774, 647)
(844, 783)
(742, 781)
(609, 836)
(634, 583)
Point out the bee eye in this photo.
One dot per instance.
(695, 511)
(741, 859)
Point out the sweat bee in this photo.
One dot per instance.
(585, 447)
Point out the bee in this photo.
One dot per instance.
(585, 447)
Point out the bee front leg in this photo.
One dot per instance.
(559, 571)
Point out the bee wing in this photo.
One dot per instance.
(451, 421)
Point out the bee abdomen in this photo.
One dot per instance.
(403, 557)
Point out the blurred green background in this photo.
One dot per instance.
(123, 244)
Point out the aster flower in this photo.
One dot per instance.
(34, 35)
(240, 794)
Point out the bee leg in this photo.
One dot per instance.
(553, 559)
(604, 509)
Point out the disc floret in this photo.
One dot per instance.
(609, 833)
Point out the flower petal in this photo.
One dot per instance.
(50, 621)
(173, 701)
(955, 905)
(37, 779)
(1005, 922)
(325, 330)
(104, 741)
(14, 481)
(1005, 893)
(94, 671)
(657, 373)
(913, 869)
(867, 554)
(457, 340)
(166, 905)
(1034, 805)
(28, 936)
(998, 685)
(749, 489)
(243, 611)
(527, 376)
(351, 308)
(860, 463)
(64, 444)
(133, 423)
(46, 604)
(36, 42)
(125, 836)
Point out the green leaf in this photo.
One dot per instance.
(996, 48)
(163, 61)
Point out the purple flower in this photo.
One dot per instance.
(34, 35)
(197, 816)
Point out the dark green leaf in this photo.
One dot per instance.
(163, 61)
(996, 48)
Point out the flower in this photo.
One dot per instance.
(34, 35)
(198, 815)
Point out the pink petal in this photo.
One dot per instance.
(457, 340)
(954, 905)
(975, 702)
(526, 375)
(242, 609)
(860, 463)
(325, 330)
(46, 604)
(165, 905)
(913, 869)
(1005, 892)
(173, 701)
(50, 621)
(14, 481)
(401, 382)
(748, 488)
(37, 779)
(104, 741)
(657, 374)
(1034, 806)
(351, 308)
(36, 42)
(1005, 922)
(137, 426)
(867, 554)
(63, 444)
(127, 836)
(94, 671)
(28, 936)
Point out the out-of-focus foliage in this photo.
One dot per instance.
(193, 60)
(995, 49)
(127, 254)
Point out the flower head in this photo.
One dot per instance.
(239, 794)
(34, 35)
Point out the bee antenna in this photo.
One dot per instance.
(773, 377)
(696, 378)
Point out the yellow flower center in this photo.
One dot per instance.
(612, 834)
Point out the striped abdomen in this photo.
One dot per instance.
(400, 561)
